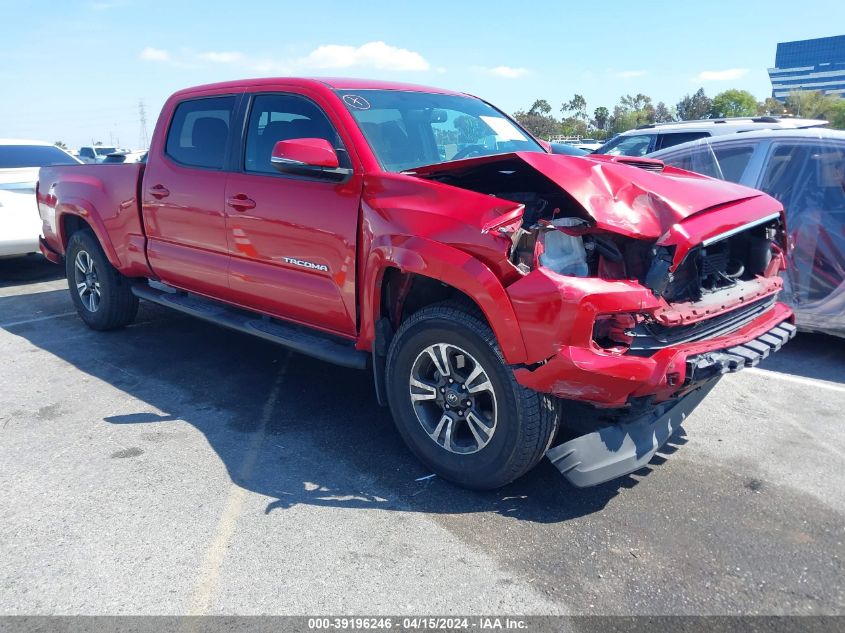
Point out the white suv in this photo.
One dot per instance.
(656, 136)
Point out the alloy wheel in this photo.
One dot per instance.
(87, 281)
(453, 398)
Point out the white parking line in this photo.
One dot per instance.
(37, 319)
(800, 380)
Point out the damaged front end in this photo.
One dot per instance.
(638, 286)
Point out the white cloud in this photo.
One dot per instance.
(721, 75)
(630, 74)
(372, 54)
(155, 55)
(216, 57)
(506, 72)
(376, 55)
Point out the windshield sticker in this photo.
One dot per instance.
(356, 101)
(503, 128)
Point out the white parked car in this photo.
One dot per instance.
(95, 153)
(136, 156)
(656, 136)
(587, 144)
(20, 224)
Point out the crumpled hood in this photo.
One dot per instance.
(620, 197)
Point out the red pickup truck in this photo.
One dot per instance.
(501, 295)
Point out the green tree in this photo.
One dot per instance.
(632, 111)
(638, 103)
(538, 119)
(662, 114)
(600, 117)
(622, 120)
(770, 107)
(540, 106)
(733, 103)
(695, 106)
(60, 144)
(577, 105)
(811, 104)
(572, 126)
(836, 115)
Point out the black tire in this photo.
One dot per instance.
(115, 305)
(524, 422)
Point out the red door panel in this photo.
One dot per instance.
(186, 231)
(293, 254)
(292, 239)
(183, 194)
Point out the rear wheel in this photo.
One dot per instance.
(457, 404)
(102, 296)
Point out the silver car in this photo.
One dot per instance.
(657, 136)
(805, 170)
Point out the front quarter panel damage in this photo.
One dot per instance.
(435, 231)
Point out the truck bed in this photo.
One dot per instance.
(107, 197)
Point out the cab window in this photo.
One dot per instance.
(199, 132)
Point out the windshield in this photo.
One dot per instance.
(633, 145)
(408, 129)
(12, 156)
(102, 151)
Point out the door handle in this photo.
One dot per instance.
(241, 202)
(159, 191)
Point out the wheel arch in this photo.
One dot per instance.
(395, 266)
(76, 215)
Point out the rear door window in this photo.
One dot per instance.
(723, 161)
(670, 139)
(732, 160)
(199, 132)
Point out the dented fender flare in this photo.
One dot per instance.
(85, 211)
(449, 265)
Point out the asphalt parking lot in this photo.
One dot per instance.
(175, 467)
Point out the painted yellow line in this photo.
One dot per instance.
(209, 573)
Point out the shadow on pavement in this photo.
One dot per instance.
(16, 271)
(810, 355)
(325, 441)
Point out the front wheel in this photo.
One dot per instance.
(101, 295)
(457, 404)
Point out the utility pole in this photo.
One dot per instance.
(142, 115)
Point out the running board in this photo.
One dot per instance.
(297, 338)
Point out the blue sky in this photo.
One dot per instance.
(75, 70)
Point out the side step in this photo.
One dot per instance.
(331, 349)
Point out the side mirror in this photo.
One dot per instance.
(545, 145)
(313, 157)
